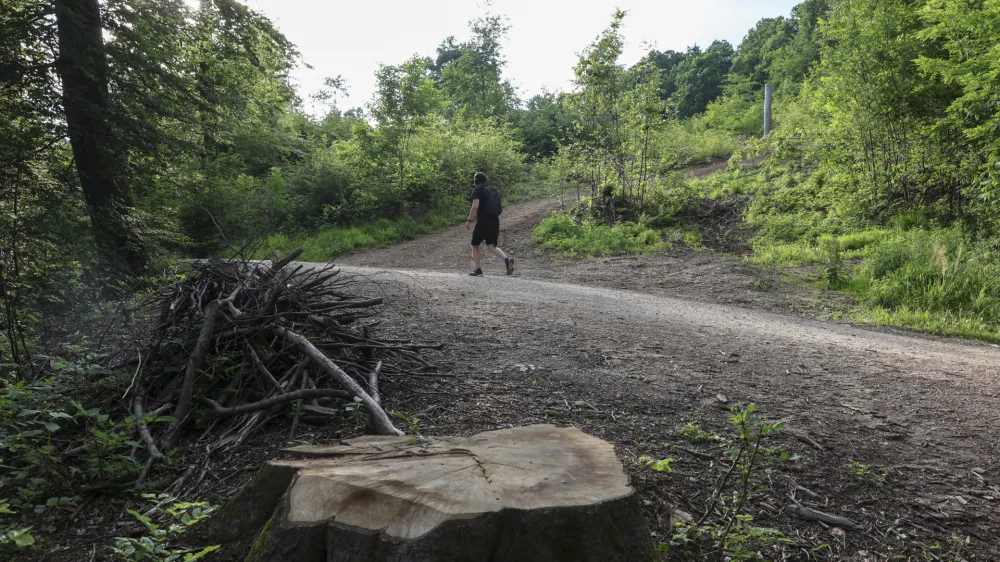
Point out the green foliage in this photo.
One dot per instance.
(691, 142)
(700, 77)
(412, 422)
(912, 272)
(734, 534)
(693, 433)
(356, 411)
(570, 237)
(472, 80)
(13, 537)
(156, 546)
(781, 50)
(833, 262)
(662, 465)
(545, 123)
(868, 474)
(53, 446)
(949, 552)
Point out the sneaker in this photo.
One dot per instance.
(510, 266)
(477, 273)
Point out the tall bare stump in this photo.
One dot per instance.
(538, 493)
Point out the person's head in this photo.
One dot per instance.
(480, 178)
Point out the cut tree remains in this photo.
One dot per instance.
(251, 341)
(538, 493)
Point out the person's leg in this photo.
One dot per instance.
(477, 257)
(491, 248)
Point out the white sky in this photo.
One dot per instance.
(352, 38)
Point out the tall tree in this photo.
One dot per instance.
(405, 99)
(100, 162)
(755, 56)
(701, 77)
(545, 123)
(472, 80)
(869, 89)
(600, 82)
(666, 62)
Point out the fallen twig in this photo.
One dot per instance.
(813, 515)
(805, 439)
(695, 453)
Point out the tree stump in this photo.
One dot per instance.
(538, 493)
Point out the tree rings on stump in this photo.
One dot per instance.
(537, 493)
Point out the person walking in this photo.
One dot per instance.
(485, 212)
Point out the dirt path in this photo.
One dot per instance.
(632, 349)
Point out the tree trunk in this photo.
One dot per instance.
(83, 69)
(538, 493)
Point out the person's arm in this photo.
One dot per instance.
(472, 213)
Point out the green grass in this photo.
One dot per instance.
(853, 246)
(688, 143)
(533, 190)
(570, 237)
(945, 324)
(938, 280)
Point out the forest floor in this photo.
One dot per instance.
(906, 427)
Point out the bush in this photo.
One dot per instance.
(562, 233)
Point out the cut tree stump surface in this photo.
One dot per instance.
(532, 493)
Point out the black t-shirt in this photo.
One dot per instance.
(482, 193)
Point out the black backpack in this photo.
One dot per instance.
(494, 205)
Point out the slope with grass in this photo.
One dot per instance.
(912, 272)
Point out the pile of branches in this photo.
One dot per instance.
(245, 341)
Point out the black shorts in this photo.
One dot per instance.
(486, 230)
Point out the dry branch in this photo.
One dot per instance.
(194, 365)
(380, 420)
(147, 438)
(218, 410)
(373, 384)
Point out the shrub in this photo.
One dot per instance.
(563, 233)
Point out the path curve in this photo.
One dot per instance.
(563, 341)
(728, 323)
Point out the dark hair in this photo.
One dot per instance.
(480, 178)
